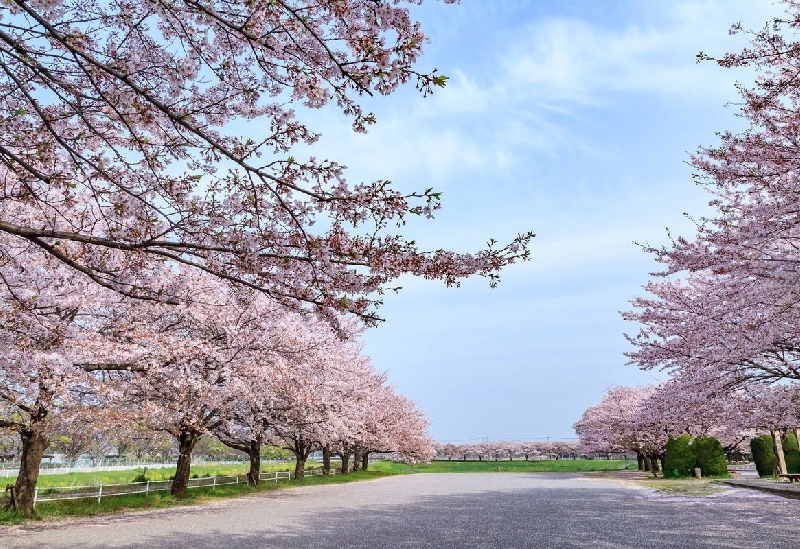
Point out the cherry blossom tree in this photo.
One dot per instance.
(734, 313)
(300, 358)
(45, 312)
(775, 409)
(121, 147)
(393, 424)
(619, 423)
(194, 361)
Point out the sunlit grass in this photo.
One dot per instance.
(158, 500)
(96, 478)
(516, 466)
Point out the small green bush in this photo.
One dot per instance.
(791, 454)
(710, 457)
(140, 478)
(680, 458)
(763, 455)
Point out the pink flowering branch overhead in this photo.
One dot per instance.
(119, 145)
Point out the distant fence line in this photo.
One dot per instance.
(56, 493)
(473, 456)
(60, 469)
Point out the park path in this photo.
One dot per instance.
(491, 510)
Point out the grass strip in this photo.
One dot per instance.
(158, 500)
(506, 466)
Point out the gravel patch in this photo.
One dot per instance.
(476, 510)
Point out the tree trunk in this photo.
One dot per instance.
(186, 442)
(33, 446)
(300, 466)
(780, 458)
(255, 462)
(345, 462)
(364, 461)
(356, 461)
(653, 464)
(326, 460)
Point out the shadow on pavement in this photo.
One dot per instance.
(607, 517)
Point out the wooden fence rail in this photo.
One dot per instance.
(56, 493)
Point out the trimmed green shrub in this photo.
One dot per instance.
(791, 454)
(680, 458)
(710, 457)
(763, 455)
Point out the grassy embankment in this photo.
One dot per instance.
(156, 500)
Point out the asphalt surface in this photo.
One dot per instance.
(492, 510)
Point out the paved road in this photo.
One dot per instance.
(494, 510)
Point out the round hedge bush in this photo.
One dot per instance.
(680, 458)
(710, 457)
(763, 455)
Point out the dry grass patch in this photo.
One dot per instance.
(689, 487)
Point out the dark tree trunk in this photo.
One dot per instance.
(33, 446)
(364, 461)
(640, 459)
(345, 455)
(254, 451)
(300, 466)
(653, 463)
(356, 461)
(186, 442)
(326, 460)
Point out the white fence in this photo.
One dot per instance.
(56, 493)
(64, 468)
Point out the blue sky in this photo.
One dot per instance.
(570, 119)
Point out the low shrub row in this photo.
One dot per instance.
(684, 455)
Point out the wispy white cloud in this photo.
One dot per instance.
(540, 89)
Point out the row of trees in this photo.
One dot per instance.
(226, 361)
(159, 267)
(644, 419)
(504, 449)
(721, 318)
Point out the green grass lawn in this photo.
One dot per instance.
(128, 475)
(516, 466)
(156, 500)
